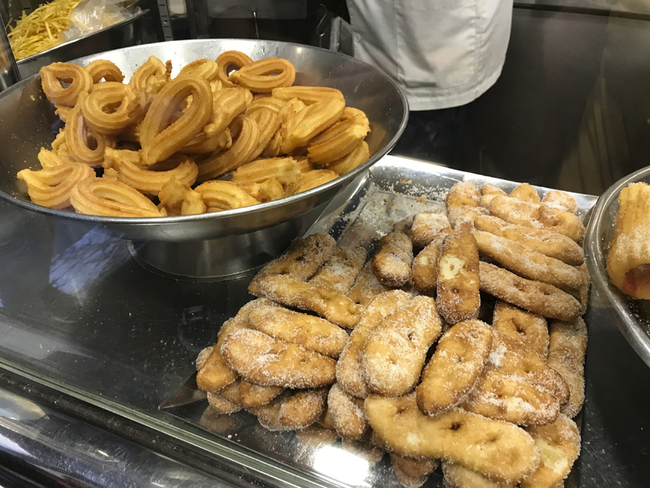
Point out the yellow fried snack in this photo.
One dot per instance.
(463, 194)
(458, 295)
(628, 261)
(292, 292)
(352, 160)
(84, 144)
(307, 94)
(264, 75)
(366, 287)
(559, 446)
(455, 367)
(458, 476)
(395, 351)
(525, 192)
(347, 413)
(561, 200)
(203, 356)
(543, 241)
(349, 373)
(392, 262)
(339, 140)
(151, 76)
(566, 355)
(100, 196)
(425, 265)
(252, 395)
(527, 263)
(268, 122)
(462, 218)
(53, 76)
(266, 191)
(298, 328)
(427, 226)
(495, 448)
(229, 60)
(411, 472)
(520, 324)
(222, 405)
(266, 361)
(536, 297)
(291, 410)
(270, 103)
(311, 179)
(284, 169)
(179, 199)
(204, 68)
(302, 260)
(489, 192)
(52, 186)
(507, 397)
(111, 107)
(342, 269)
(224, 195)
(303, 126)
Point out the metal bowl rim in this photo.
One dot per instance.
(225, 214)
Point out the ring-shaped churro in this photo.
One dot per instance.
(355, 158)
(264, 75)
(303, 126)
(151, 76)
(104, 69)
(307, 94)
(110, 108)
(110, 198)
(339, 140)
(53, 75)
(224, 195)
(268, 123)
(229, 60)
(204, 68)
(179, 199)
(52, 186)
(85, 145)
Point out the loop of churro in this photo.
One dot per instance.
(99, 196)
(355, 158)
(264, 75)
(179, 199)
(229, 60)
(303, 126)
(159, 136)
(268, 123)
(203, 68)
(266, 191)
(50, 159)
(339, 140)
(284, 169)
(85, 145)
(151, 77)
(52, 186)
(307, 94)
(223, 195)
(103, 69)
(111, 107)
(52, 77)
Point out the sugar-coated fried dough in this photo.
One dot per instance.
(536, 297)
(347, 413)
(366, 287)
(231, 392)
(544, 241)
(506, 397)
(203, 356)
(412, 473)
(252, 395)
(341, 271)
(462, 218)
(425, 266)
(488, 192)
(561, 221)
(303, 408)
(566, 355)
(525, 192)
(463, 194)
(427, 226)
(263, 360)
(302, 259)
(493, 447)
(455, 366)
(268, 415)
(559, 445)
(583, 292)
(392, 263)
(349, 373)
(458, 295)
(527, 263)
(298, 328)
(561, 200)
(221, 405)
(325, 419)
(292, 292)
(511, 356)
(395, 351)
(520, 324)
(458, 476)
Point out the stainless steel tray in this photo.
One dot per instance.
(394, 189)
(632, 316)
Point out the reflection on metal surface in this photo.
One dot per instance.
(8, 71)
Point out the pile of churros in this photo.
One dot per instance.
(223, 134)
(460, 343)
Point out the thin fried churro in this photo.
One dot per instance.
(52, 186)
(52, 76)
(102, 69)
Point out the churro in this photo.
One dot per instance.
(179, 199)
(411, 472)
(339, 140)
(223, 195)
(427, 226)
(307, 94)
(151, 76)
(103, 69)
(354, 159)
(99, 196)
(85, 145)
(111, 107)
(264, 75)
(52, 186)
(303, 126)
(312, 179)
(230, 60)
(78, 80)
(528, 327)
(392, 262)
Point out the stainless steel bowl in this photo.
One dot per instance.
(632, 316)
(27, 121)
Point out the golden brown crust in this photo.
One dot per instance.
(392, 262)
(347, 413)
(425, 266)
(412, 473)
(427, 226)
(78, 78)
(342, 270)
(528, 327)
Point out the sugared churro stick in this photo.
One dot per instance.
(341, 271)
(347, 413)
(520, 324)
(458, 476)
(349, 373)
(395, 351)
(444, 385)
(561, 200)
(366, 287)
(525, 192)
(392, 262)
(536, 297)
(488, 193)
(292, 410)
(527, 263)
(496, 448)
(425, 266)
(411, 472)
(302, 259)
(265, 361)
(458, 295)
(544, 241)
(463, 206)
(252, 395)
(427, 226)
(566, 355)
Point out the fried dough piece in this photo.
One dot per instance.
(349, 373)
(395, 351)
(325, 419)
(520, 324)
(559, 446)
(561, 200)
(346, 412)
(529, 264)
(455, 366)
(495, 448)
(462, 218)
(292, 292)
(566, 355)
(458, 295)
(221, 405)
(511, 356)
(203, 356)
(412, 473)
(506, 397)
(366, 287)
(392, 262)
(544, 241)
(463, 194)
(302, 259)
(583, 292)
(298, 328)
(263, 360)
(341, 271)
(427, 226)
(252, 395)
(489, 192)
(425, 266)
(458, 476)
(536, 297)
(303, 408)
(525, 192)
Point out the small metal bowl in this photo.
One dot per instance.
(224, 243)
(632, 316)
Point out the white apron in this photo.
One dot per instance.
(443, 53)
